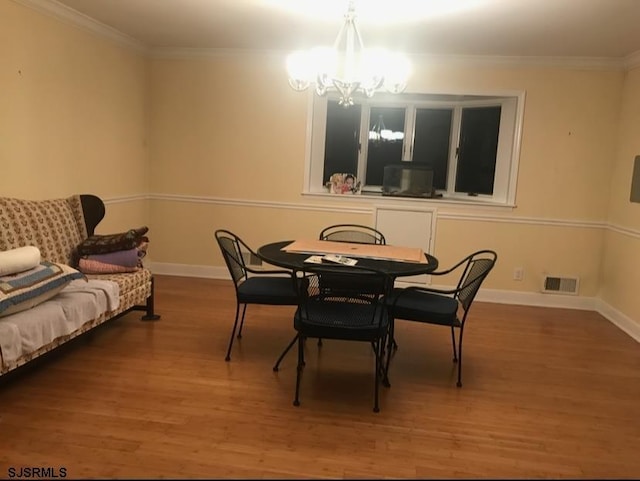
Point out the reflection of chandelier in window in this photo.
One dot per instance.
(380, 133)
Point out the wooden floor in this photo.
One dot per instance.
(548, 393)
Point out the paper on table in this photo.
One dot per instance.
(313, 260)
(373, 251)
(346, 261)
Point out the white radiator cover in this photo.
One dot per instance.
(408, 228)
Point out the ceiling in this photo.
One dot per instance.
(521, 28)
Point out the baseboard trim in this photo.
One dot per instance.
(188, 270)
(620, 320)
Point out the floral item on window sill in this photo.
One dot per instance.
(343, 184)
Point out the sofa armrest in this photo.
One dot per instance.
(93, 209)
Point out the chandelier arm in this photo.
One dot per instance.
(341, 33)
(358, 37)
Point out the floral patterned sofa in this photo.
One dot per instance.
(57, 227)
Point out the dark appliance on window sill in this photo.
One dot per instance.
(406, 180)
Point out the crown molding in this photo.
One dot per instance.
(170, 53)
(579, 63)
(70, 16)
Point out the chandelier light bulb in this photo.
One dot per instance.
(398, 70)
(299, 71)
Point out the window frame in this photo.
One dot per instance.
(509, 142)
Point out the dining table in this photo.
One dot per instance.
(394, 261)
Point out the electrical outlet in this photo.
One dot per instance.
(518, 274)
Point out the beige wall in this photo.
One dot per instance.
(215, 135)
(621, 262)
(227, 127)
(220, 142)
(73, 114)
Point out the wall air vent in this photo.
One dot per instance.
(560, 285)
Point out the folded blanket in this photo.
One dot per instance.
(109, 289)
(19, 260)
(79, 302)
(89, 266)
(125, 258)
(102, 244)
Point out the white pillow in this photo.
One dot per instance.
(19, 259)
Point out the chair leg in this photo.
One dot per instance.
(459, 384)
(284, 353)
(319, 342)
(296, 401)
(378, 349)
(385, 380)
(233, 332)
(244, 309)
(392, 334)
(453, 342)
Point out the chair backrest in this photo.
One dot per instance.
(232, 248)
(352, 233)
(344, 306)
(478, 266)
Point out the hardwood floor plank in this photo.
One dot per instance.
(548, 393)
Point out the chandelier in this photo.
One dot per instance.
(348, 67)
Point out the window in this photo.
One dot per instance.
(470, 142)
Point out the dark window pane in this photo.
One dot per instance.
(431, 142)
(341, 142)
(477, 150)
(386, 137)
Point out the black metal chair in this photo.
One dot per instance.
(357, 233)
(352, 233)
(271, 287)
(438, 306)
(350, 315)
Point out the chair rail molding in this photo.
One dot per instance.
(442, 213)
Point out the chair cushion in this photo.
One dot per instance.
(267, 290)
(363, 284)
(413, 305)
(341, 320)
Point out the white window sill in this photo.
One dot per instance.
(377, 198)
